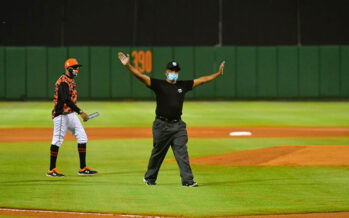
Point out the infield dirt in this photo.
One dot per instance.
(334, 155)
(45, 134)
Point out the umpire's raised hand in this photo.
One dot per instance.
(221, 68)
(125, 59)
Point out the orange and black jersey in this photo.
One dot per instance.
(65, 97)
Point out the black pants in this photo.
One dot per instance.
(167, 134)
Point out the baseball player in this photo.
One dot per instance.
(65, 119)
(168, 127)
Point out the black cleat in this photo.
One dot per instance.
(86, 172)
(54, 173)
(193, 184)
(148, 182)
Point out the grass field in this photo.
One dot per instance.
(38, 114)
(224, 190)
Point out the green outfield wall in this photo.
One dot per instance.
(275, 72)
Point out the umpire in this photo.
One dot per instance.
(168, 128)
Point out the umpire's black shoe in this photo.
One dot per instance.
(192, 184)
(86, 172)
(148, 182)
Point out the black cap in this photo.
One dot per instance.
(173, 65)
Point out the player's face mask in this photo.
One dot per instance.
(172, 77)
(74, 71)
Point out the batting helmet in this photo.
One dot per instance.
(71, 62)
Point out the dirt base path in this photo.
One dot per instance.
(63, 214)
(334, 155)
(45, 134)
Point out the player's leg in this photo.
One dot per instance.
(180, 151)
(76, 128)
(161, 144)
(59, 131)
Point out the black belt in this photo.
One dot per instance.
(167, 120)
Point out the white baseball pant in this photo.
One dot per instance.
(69, 122)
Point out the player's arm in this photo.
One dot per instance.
(63, 96)
(205, 79)
(125, 60)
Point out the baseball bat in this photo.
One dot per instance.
(93, 115)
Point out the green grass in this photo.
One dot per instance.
(224, 190)
(122, 163)
(122, 114)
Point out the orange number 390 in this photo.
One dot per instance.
(142, 61)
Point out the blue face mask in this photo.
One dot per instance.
(172, 77)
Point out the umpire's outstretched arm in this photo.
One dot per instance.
(125, 60)
(209, 78)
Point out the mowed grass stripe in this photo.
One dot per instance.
(131, 114)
